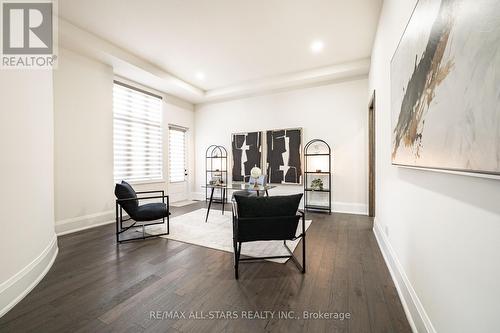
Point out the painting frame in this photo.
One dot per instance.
(450, 166)
(300, 156)
(235, 173)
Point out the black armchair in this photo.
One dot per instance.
(264, 219)
(140, 215)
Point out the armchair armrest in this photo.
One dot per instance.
(157, 191)
(143, 198)
(235, 208)
(302, 215)
(144, 192)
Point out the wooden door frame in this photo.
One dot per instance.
(371, 156)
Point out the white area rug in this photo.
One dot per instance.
(217, 234)
(182, 203)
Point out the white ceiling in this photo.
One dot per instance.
(231, 41)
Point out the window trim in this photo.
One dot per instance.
(137, 89)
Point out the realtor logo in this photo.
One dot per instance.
(28, 34)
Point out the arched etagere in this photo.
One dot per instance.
(215, 167)
(318, 176)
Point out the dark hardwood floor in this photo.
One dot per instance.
(97, 286)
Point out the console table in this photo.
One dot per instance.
(234, 187)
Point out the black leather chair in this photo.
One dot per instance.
(140, 215)
(265, 219)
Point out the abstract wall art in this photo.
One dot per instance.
(445, 88)
(283, 151)
(247, 153)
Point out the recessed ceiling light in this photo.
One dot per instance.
(317, 46)
(200, 76)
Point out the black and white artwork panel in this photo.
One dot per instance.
(247, 153)
(283, 161)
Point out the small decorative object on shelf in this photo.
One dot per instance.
(215, 169)
(216, 180)
(317, 184)
(318, 176)
(255, 173)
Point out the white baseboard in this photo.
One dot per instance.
(415, 312)
(75, 224)
(197, 196)
(349, 208)
(337, 207)
(18, 286)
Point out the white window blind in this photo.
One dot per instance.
(137, 131)
(177, 154)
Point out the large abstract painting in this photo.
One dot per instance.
(247, 153)
(284, 163)
(445, 86)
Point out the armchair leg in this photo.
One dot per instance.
(117, 224)
(121, 218)
(301, 268)
(223, 199)
(168, 224)
(237, 250)
(303, 243)
(304, 254)
(168, 214)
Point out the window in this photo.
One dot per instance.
(177, 154)
(137, 131)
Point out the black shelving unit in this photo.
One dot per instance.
(317, 172)
(320, 150)
(215, 164)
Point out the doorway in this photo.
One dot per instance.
(177, 163)
(371, 156)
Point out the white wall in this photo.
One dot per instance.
(83, 141)
(336, 113)
(83, 102)
(439, 232)
(28, 244)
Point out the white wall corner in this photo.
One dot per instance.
(18, 286)
(414, 310)
(197, 196)
(71, 225)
